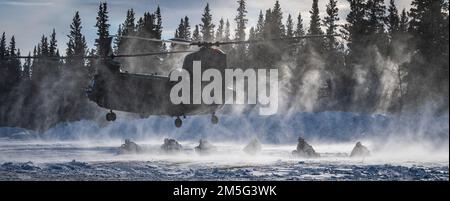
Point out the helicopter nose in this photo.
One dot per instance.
(89, 90)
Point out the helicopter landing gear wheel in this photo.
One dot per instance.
(111, 116)
(214, 119)
(178, 122)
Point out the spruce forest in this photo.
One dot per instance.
(385, 61)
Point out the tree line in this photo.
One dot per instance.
(386, 60)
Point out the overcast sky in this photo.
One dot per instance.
(29, 19)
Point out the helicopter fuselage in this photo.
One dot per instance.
(149, 94)
(142, 94)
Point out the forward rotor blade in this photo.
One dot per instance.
(152, 53)
(54, 57)
(181, 40)
(38, 57)
(178, 42)
(99, 57)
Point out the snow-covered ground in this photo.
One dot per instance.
(99, 161)
(88, 151)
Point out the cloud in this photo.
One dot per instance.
(31, 19)
(25, 3)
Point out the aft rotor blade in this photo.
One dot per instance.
(178, 42)
(274, 39)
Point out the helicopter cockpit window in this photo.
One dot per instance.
(90, 88)
(92, 84)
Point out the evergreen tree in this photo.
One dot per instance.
(207, 27)
(270, 52)
(241, 21)
(46, 67)
(53, 46)
(14, 66)
(366, 37)
(3, 50)
(3, 55)
(182, 32)
(158, 27)
(179, 32)
(76, 47)
(148, 26)
(298, 69)
(290, 49)
(227, 37)
(34, 62)
(273, 27)
(12, 47)
(315, 28)
(403, 23)
(289, 27)
(102, 43)
(392, 20)
(376, 14)
(238, 54)
(220, 30)
(259, 31)
(26, 73)
(426, 25)
(278, 19)
(252, 34)
(59, 55)
(252, 48)
(429, 29)
(256, 50)
(53, 63)
(139, 24)
(129, 26)
(187, 28)
(330, 23)
(39, 52)
(227, 33)
(44, 46)
(91, 62)
(299, 31)
(118, 40)
(314, 24)
(196, 34)
(355, 31)
(396, 35)
(184, 29)
(376, 11)
(334, 62)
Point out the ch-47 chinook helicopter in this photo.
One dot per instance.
(149, 94)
